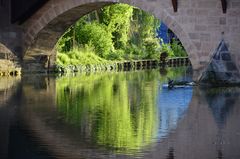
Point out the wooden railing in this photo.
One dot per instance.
(147, 64)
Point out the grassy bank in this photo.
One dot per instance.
(82, 60)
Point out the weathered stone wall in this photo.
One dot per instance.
(10, 35)
(198, 23)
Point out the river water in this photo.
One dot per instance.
(117, 115)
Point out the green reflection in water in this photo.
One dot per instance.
(117, 110)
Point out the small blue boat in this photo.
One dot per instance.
(187, 85)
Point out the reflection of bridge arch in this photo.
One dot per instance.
(58, 143)
(52, 20)
(197, 134)
(61, 137)
(66, 142)
(180, 143)
(63, 143)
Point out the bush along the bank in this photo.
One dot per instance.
(82, 60)
(117, 32)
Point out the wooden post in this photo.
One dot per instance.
(224, 6)
(175, 5)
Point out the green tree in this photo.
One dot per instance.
(94, 34)
(65, 43)
(143, 35)
(178, 49)
(117, 18)
(115, 32)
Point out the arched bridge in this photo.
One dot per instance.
(30, 29)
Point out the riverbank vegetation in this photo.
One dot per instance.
(114, 33)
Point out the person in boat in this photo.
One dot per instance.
(170, 83)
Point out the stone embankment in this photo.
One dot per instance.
(9, 68)
(126, 65)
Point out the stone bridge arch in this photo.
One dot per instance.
(45, 27)
(198, 23)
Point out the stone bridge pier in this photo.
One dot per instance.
(11, 41)
(199, 24)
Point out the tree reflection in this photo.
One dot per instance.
(114, 110)
(117, 110)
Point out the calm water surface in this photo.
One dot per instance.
(117, 115)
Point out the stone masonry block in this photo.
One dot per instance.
(201, 12)
(206, 4)
(206, 47)
(194, 36)
(225, 28)
(222, 21)
(192, 19)
(213, 12)
(205, 37)
(51, 14)
(213, 20)
(204, 59)
(46, 17)
(58, 10)
(197, 44)
(232, 21)
(201, 20)
(200, 28)
(214, 28)
(235, 4)
(190, 12)
(235, 29)
(233, 12)
(168, 20)
(42, 22)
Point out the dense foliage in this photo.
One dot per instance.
(116, 32)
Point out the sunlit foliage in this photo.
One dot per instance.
(115, 32)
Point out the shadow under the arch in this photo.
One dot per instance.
(10, 95)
